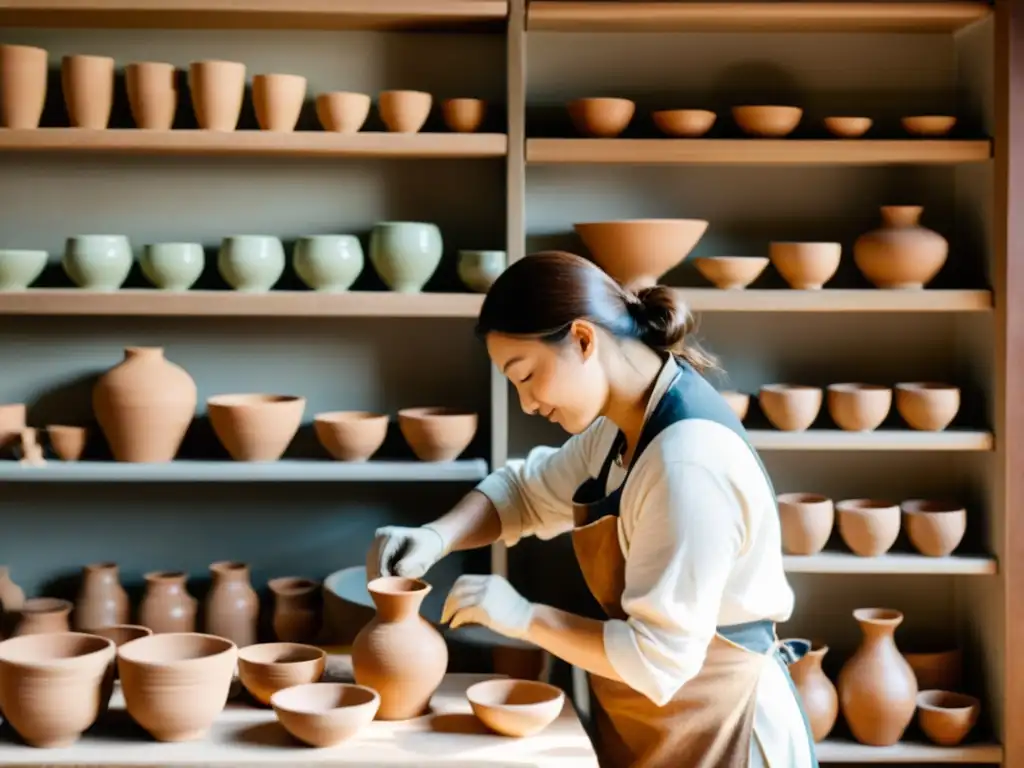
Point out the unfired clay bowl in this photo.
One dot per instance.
(463, 115)
(806, 520)
(325, 714)
(935, 528)
(351, 435)
(946, 717)
(869, 527)
(927, 406)
(738, 401)
(20, 268)
(342, 111)
(790, 407)
(255, 427)
(601, 118)
(806, 266)
(515, 707)
(848, 127)
(684, 123)
(767, 121)
(437, 434)
(731, 272)
(637, 252)
(404, 111)
(928, 125)
(67, 442)
(267, 668)
(121, 634)
(856, 407)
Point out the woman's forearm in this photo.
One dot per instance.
(470, 524)
(574, 639)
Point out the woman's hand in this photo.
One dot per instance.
(407, 552)
(489, 601)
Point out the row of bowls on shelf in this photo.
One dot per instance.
(869, 527)
(854, 407)
(404, 253)
(217, 89)
(608, 117)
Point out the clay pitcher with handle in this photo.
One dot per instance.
(819, 697)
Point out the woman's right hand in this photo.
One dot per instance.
(406, 552)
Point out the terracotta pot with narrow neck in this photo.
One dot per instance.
(819, 697)
(877, 687)
(102, 601)
(144, 406)
(232, 606)
(902, 254)
(399, 654)
(43, 615)
(167, 606)
(298, 609)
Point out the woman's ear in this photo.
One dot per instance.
(583, 337)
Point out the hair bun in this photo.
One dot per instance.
(664, 323)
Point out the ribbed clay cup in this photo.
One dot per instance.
(869, 527)
(329, 263)
(88, 84)
(806, 266)
(404, 111)
(351, 435)
(935, 528)
(255, 427)
(67, 442)
(218, 89)
(818, 694)
(927, 406)
(251, 263)
(342, 111)
(278, 100)
(22, 86)
(173, 266)
(298, 608)
(463, 115)
(437, 434)
(97, 262)
(405, 253)
(43, 616)
(790, 407)
(101, 601)
(152, 94)
(267, 668)
(859, 407)
(806, 520)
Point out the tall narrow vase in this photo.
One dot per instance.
(102, 601)
(232, 606)
(819, 697)
(167, 606)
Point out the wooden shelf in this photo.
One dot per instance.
(129, 141)
(254, 14)
(830, 300)
(757, 151)
(560, 16)
(892, 563)
(284, 471)
(879, 440)
(838, 751)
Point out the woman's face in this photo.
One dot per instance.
(562, 382)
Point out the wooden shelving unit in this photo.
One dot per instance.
(896, 564)
(880, 440)
(836, 751)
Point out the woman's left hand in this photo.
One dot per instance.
(490, 601)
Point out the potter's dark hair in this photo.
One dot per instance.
(541, 295)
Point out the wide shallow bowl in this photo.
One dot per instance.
(806, 520)
(325, 714)
(602, 118)
(637, 252)
(856, 407)
(267, 668)
(738, 401)
(515, 707)
(684, 123)
(869, 527)
(351, 435)
(767, 121)
(927, 406)
(935, 528)
(255, 427)
(731, 272)
(848, 127)
(20, 268)
(946, 717)
(806, 266)
(928, 125)
(790, 407)
(437, 434)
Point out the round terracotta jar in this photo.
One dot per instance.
(818, 694)
(232, 606)
(42, 616)
(902, 254)
(167, 606)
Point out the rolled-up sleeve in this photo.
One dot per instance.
(682, 550)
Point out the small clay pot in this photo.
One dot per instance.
(167, 607)
(328, 263)
(342, 111)
(404, 111)
(817, 693)
(152, 94)
(267, 668)
(218, 89)
(231, 608)
(601, 118)
(859, 407)
(298, 609)
(255, 427)
(767, 121)
(516, 707)
(464, 115)
(251, 263)
(22, 86)
(351, 435)
(848, 127)
(67, 442)
(684, 123)
(731, 272)
(790, 407)
(278, 101)
(806, 520)
(13, 418)
(946, 717)
(927, 406)
(806, 266)
(942, 669)
(738, 401)
(901, 254)
(88, 85)
(869, 527)
(42, 615)
(928, 125)
(935, 528)
(325, 714)
(437, 434)
(101, 601)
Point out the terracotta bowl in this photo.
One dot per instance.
(767, 121)
(342, 111)
(351, 435)
(404, 111)
(806, 266)
(267, 668)
(848, 127)
(325, 714)
(121, 634)
(67, 442)
(859, 407)
(935, 528)
(946, 717)
(806, 520)
(684, 123)
(515, 707)
(928, 125)
(637, 252)
(601, 118)
(255, 427)
(927, 406)
(937, 669)
(869, 527)
(176, 684)
(731, 272)
(738, 401)
(463, 115)
(437, 434)
(790, 407)
(54, 686)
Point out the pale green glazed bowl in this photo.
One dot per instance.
(97, 262)
(20, 268)
(251, 263)
(173, 266)
(405, 253)
(479, 269)
(328, 263)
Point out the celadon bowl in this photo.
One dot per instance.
(20, 268)
(405, 253)
(97, 262)
(173, 266)
(251, 263)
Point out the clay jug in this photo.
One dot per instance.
(232, 606)
(819, 697)
(297, 609)
(902, 254)
(102, 601)
(167, 606)
(144, 406)
(42, 615)
(877, 687)
(399, 654)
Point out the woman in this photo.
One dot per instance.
(673, 522)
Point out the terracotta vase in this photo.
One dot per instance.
(298, 609)
(877, 687)
(167, 606)
(278, 101)
(144, 406)
(22, 86)
(88, 84)
(41, 616)
(217, 89)
(819, 696)
(152, 94)
(102, 601)
(902, 254)
(232, 606)
(399, 654)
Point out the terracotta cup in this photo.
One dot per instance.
(342, 111)
(217, 88)
(463, 115)
(22, 86)
(806, 520)
(278, 100)
(12, 421)
(67, 442)
(935, 528)
(790, 407)
(928, 406)
(869, 527)
(404, 111)
(88, 84)
(600, 117)
(946, 717)
(152, 94)
(856, 407)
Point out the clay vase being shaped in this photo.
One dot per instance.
(144, 406)
(877, 687)
(405, 254)
(399, 654)
(298, 609)
(166, 605)
(42, 616)
(88, 84)
(217, 89)
(232, 606)
(102, 601)
(902, 254)
(152, 94)
(819, 696)
(22, 86)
